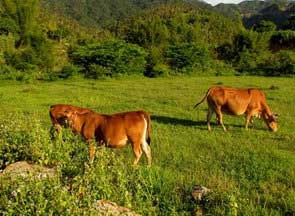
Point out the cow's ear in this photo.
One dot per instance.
(275, 116)
(84, 112)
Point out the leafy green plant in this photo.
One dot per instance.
(68, 71)
(116, 57)
(281, 63)
(282, 40)
(186, 56)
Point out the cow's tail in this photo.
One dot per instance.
(197, 104)
(147, 117)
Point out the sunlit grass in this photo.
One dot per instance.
(255, 168)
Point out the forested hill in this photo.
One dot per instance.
(253, 12)
(101, 13)
(102, 38)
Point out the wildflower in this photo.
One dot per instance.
(13, 193)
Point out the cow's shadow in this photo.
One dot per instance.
(200, 124)
(176, 121)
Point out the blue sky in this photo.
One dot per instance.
(215, 2)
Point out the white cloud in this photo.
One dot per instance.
(215, 2)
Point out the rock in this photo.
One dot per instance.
(199, 191)
(106, 207)
(25, 169)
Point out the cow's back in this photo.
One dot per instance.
(125, 122)
(232, 101)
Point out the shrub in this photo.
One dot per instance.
(226, 52)
(58, 34)
(20, 138)
(7, 72)
(280, 64)
(25, 59)
(98, 72)
(184, 56)
(265, 26)
(115, 56)
(243, 41)
(158, 71)
(247, 63)
(282, 40)
(68, 71)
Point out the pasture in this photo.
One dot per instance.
(249, 172)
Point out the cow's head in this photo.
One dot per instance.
(70, 116)
(271, 121)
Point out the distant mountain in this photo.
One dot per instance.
(277, 13)
(93, 13)
(252, 12)
(101, 13)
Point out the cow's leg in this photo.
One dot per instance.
(137, 151)
(147, 150)
(145, 145)
(55, 130)
(248, 119)
(219, 118)
(91, 149)
(209, 116)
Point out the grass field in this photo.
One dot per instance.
(249, 172)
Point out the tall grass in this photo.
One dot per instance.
(253, 169)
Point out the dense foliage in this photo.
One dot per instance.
(160, 39)
(109, 59)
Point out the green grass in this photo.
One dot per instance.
(254, 168)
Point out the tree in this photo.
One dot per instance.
(290, 23)
(187, 55)
(243, 42)
(282, 40)
(265, 26)
(109, 59)
(25, 14)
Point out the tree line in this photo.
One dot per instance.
(166, 39)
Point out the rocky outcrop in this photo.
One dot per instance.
(25, 169)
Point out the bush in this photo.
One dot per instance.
(282, 40)
(247, 63)
(184, 56)
(280, 64)
(7, 72)
(115, 56)
(58, 34)
(25, 59)
(243, 41)
(68, 71)
(226, 52)
(98, 72)
(158, 70)
(265, 26)
(20, 138)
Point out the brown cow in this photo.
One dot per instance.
(58, 118)
(234, 101)
(114, 131)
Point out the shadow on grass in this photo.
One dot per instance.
(200, 124)
(176, 121)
